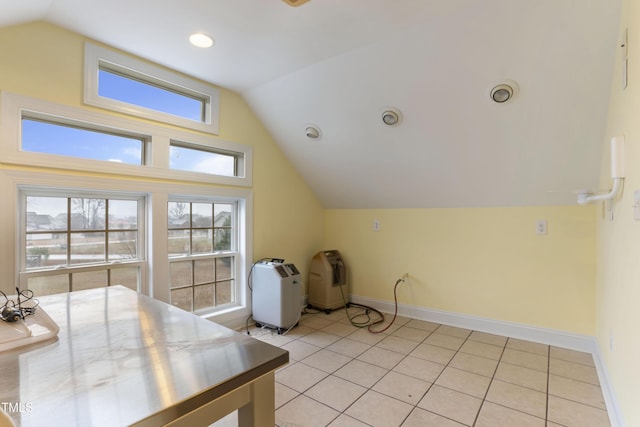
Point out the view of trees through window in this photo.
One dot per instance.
(201, 267)
(76, 235)
(73, 231)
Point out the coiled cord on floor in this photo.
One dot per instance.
(369, 323)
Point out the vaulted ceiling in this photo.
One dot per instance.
(338, 64)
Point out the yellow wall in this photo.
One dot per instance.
(486, 262)
(46, 62)
(618, 277)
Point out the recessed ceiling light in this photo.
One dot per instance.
(201, 40)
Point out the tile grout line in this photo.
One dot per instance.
(445, 366)
(467, 338)
(434, 381)
(459, 351)
(391, 369)
(440, 374)
(388, 371)
(484, 399)
(332, 374)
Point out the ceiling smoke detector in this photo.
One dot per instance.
(501, 93)
(391, 117)
(504, 91)
(312, 132)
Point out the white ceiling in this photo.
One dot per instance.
(338, 63)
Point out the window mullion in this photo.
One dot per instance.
(68, 251)
(106, 231)
(85, 260)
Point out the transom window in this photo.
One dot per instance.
(122, 83)
(188, 157)
(73, 242)
(41, 136)
(100, 221)
(144, 92)
(40, 133)
(202, 253)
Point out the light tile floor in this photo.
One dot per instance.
(419, 373)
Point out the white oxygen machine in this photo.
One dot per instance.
(276, 295)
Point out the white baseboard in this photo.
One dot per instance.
(583, 343)
(615, 415)
(515, 330)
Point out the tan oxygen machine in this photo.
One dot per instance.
(328, 281)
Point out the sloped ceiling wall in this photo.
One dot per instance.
(337, 65)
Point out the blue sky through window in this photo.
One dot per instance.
(50, 138)
(42, 135)
(125, 89)
(194, 160)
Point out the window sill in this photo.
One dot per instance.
(233, 317)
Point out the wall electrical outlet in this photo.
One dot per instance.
(636, 205)
(376, 225)
(541, 227)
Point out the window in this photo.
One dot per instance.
(202, 243)
(121, 83)
(39, 133)
(109, 222)
(41, 136)
(145, 93)
(199, 159)
(72, 241)
(179, 242)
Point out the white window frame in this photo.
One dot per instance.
(233, 252)
(42, 190)
(96, 57)
(156, 283)
(158, 140)
(239, 166)
(155, 179)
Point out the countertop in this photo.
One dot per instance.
(121, 358)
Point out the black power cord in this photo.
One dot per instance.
(369, 323)
(395, 311)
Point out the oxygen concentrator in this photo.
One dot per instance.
(276, 295)
(328, 288)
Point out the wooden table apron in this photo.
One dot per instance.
(122, 358)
